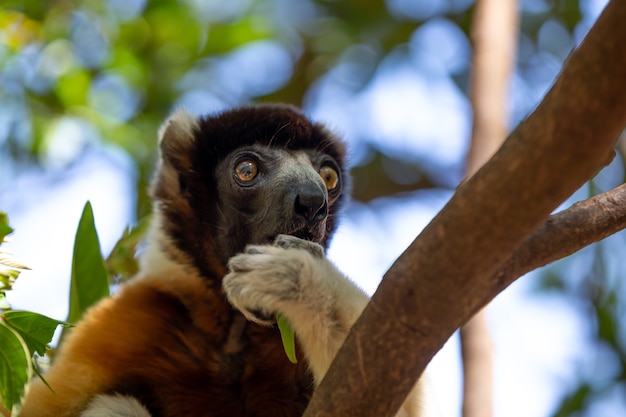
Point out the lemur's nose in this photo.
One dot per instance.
(310, 203)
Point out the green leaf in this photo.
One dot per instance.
(608, 320)
(569, 12)
(7, 278)
(35, 329)
(4, 304)
(15, 367)
(122, 263)
(287, 336)
(574, 402)
(4, 226)
(72, 88)
(89, 281)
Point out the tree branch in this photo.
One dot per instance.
(439, 282)
(565, 233)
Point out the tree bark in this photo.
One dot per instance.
(440, 281)
(494, 37)
(565, 233)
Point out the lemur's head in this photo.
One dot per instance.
(242, 177)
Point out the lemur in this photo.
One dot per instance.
(244, 204)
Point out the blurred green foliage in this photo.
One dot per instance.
(113, 70)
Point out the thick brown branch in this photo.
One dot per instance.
(440, 281)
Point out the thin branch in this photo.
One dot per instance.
(439, 282)
(565, 233)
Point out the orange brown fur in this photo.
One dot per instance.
(164, 343)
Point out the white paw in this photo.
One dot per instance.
(264, 280)
(115, 406)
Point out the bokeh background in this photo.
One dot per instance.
(85, 85)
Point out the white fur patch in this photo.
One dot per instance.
(183, 123)
(154, 261)
(115, 406)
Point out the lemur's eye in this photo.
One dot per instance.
(330, 177)
(246, 170)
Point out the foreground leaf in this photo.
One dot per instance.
(15, 367)
(89, 281)
(35, 329)
(287, 336)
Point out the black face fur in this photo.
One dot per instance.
(211, 214)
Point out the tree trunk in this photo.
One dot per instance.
(494, 37)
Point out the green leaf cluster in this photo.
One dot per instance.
(9, 267)
(25, 335)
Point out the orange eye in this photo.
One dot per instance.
(330, 177)
(246, 170)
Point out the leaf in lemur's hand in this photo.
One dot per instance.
(15, 367)
(89, 281)
(35, 329)
(287, 336)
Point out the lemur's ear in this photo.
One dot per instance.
(176, 139)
